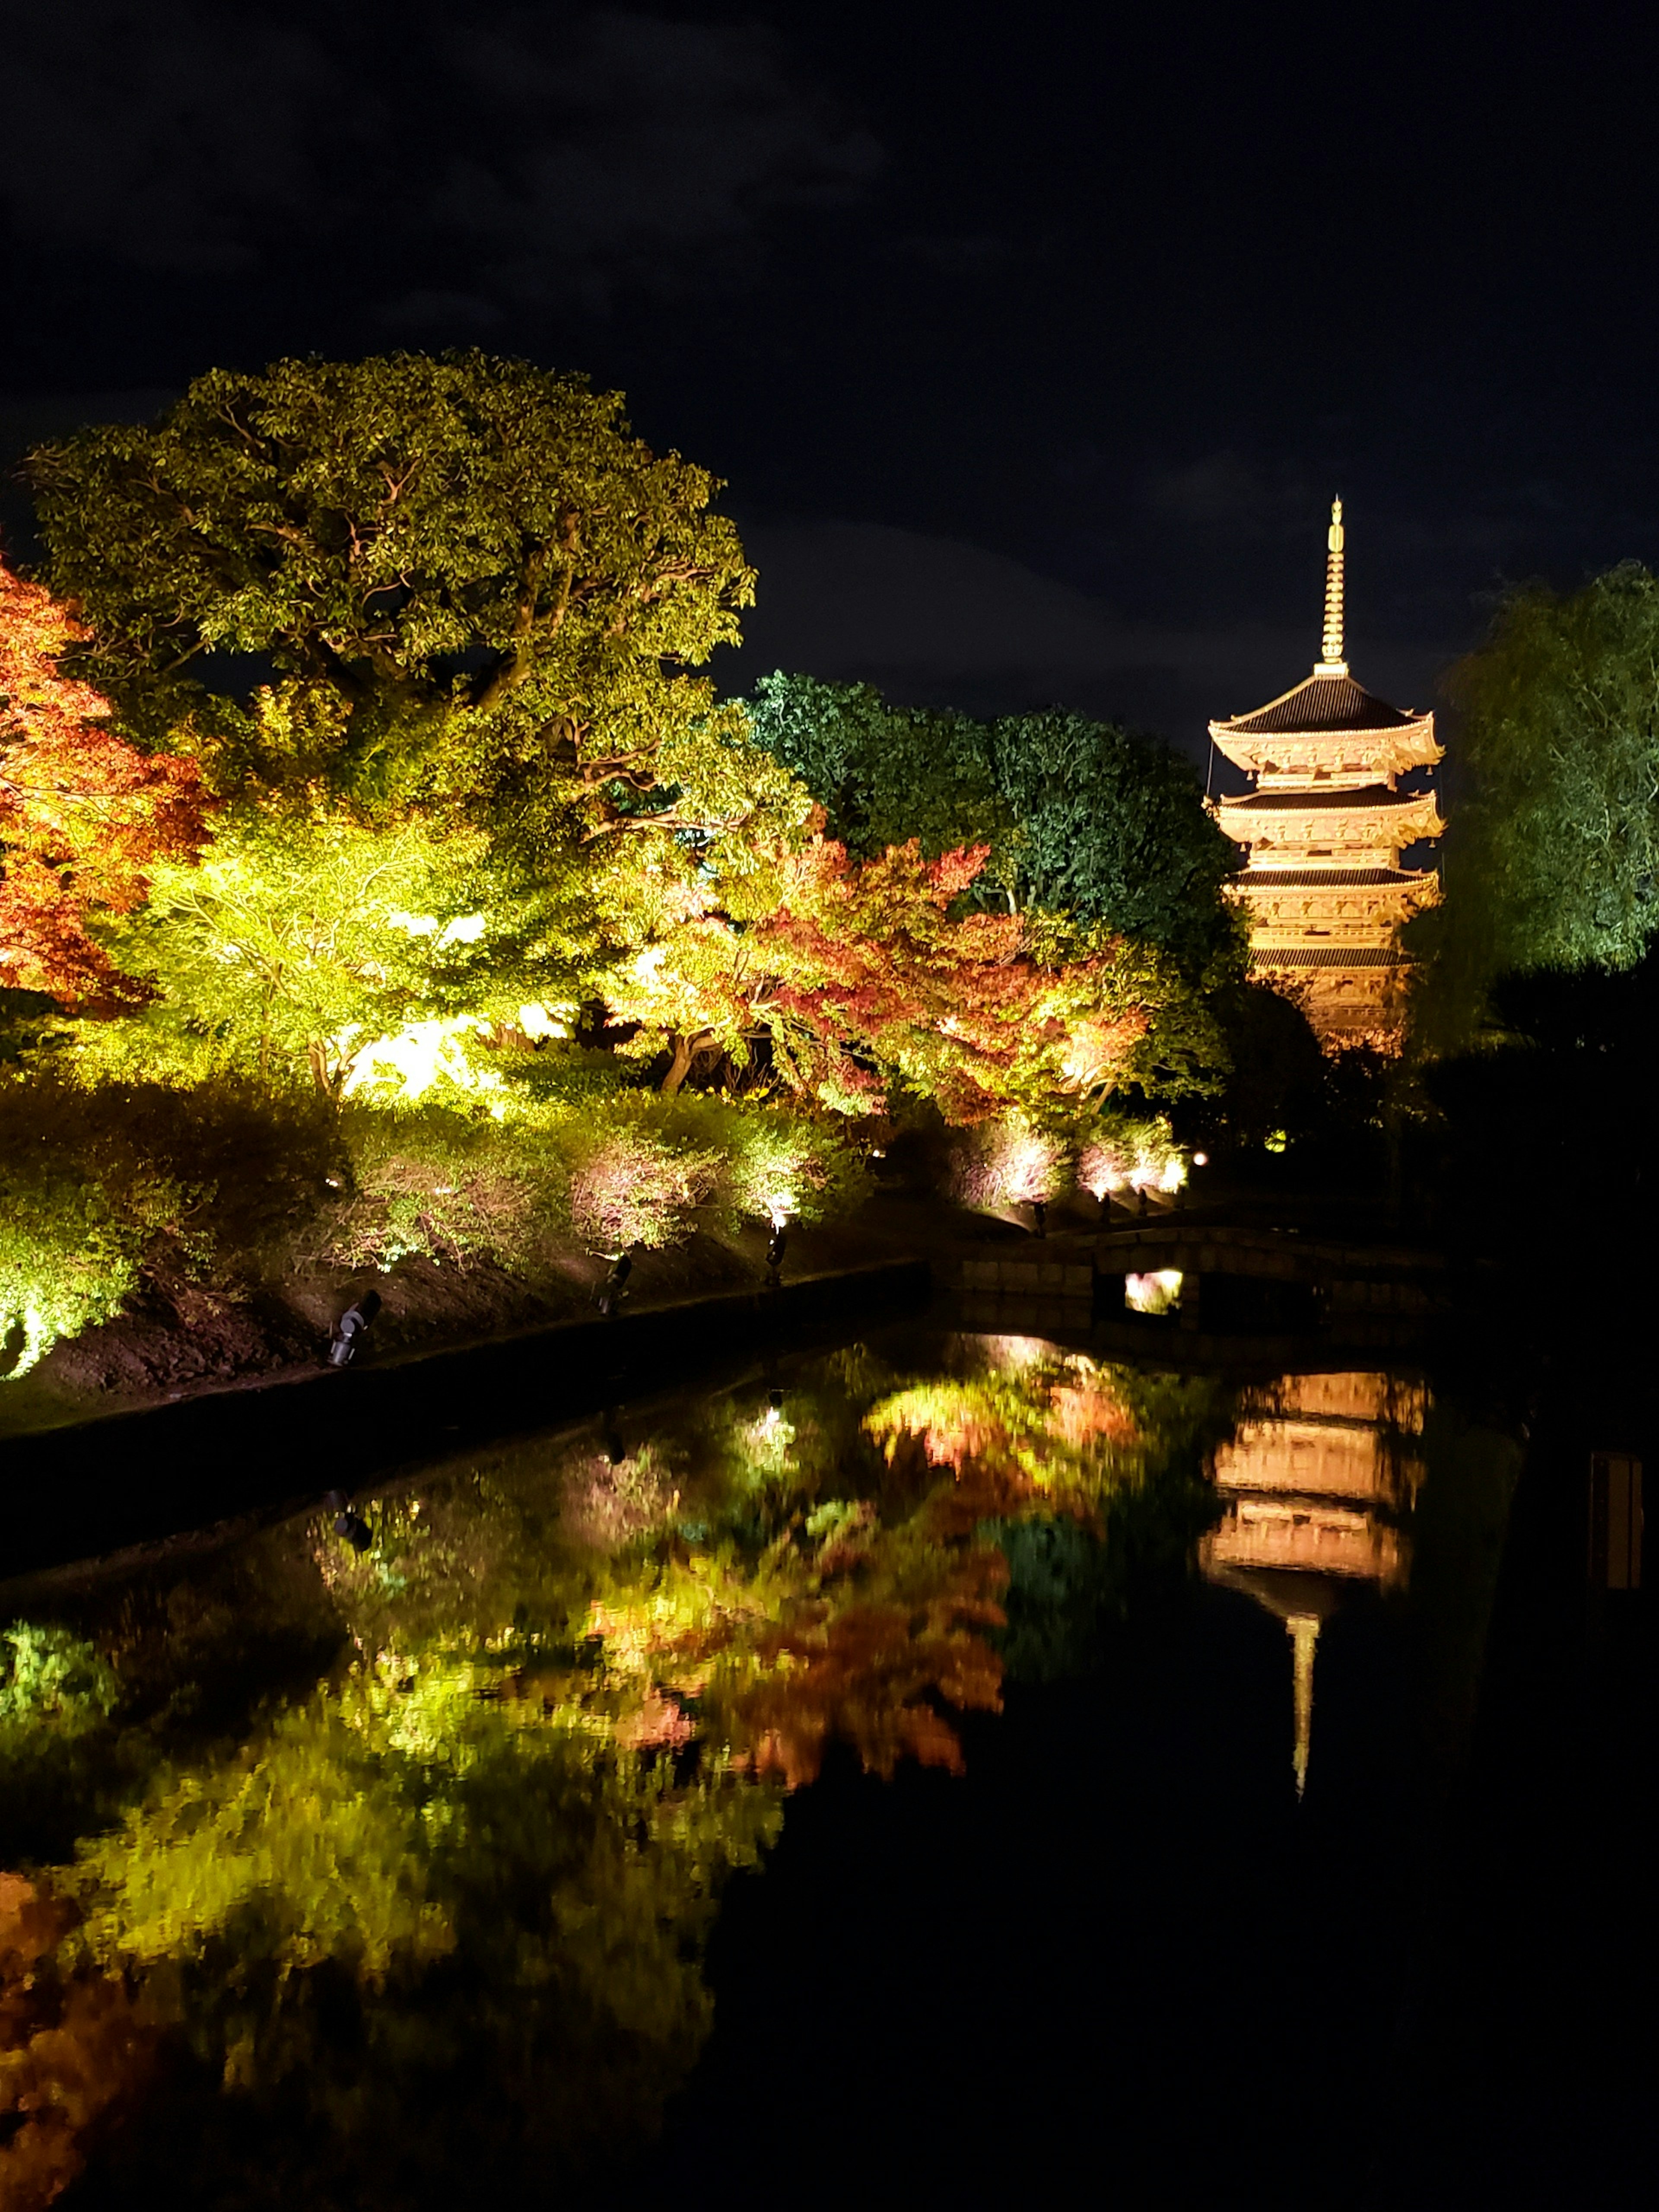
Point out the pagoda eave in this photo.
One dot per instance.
(1366, 757)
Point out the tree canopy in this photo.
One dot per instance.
(469, 586)
(1081, 818)
(1553, 848)
(855, 974)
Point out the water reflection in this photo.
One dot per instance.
(1316, 1485)
(382, 1871)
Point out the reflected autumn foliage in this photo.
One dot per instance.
(73, 2049)
(413, 1848)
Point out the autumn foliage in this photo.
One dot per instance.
(83, 816)
(853, 973)
(72, 2050)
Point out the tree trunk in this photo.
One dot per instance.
(679, 1067)
(686, 1049)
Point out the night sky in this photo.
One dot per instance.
(1032, 340)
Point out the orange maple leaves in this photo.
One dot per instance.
(71, 2046)
(83, 816)
(854, 972)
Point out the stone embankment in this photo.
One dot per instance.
(132, 1479)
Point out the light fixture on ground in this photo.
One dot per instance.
(780, 1208)
(352, 1526)
(351, 1328)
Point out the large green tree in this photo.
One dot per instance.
(1553, 842)
(1082, 819)
(460, 583)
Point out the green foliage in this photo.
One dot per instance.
(105, 1180)
(479, 590)
(1082, 819)
(54, 1681)
(296, 947)
(882, 774)
(1553, 848)
(83, 1205)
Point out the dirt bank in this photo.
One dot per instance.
(178, 1339)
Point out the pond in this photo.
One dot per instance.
(929, 1762)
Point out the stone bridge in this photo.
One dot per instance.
(1301, 1278)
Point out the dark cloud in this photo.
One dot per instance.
(639, 150)
(176, 136)
(480, 156)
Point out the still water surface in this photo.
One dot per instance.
(929, 1760)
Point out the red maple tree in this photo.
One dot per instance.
(83, 816)
(855, 971)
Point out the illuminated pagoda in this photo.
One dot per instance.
(1324, 828)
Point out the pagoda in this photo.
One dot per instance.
(1323, 830)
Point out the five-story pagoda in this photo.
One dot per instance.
(1324, 828)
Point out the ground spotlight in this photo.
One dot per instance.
(352, 1526)
(610, 1293)
(351, 1328)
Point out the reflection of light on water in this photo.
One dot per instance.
(1304, 1634)
(1011, 1355)
(770, 1437)
(1159, 1292)
(1309, 1492)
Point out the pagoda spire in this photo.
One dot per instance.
(1303, 1629)
(1332, 664)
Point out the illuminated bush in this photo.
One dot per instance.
(629, 1186)
(1006, 1163)
(775, 1165)
(440, 1182)
(1124, 1154)
(66, 1263)
(105, 1183)
(83, 1207)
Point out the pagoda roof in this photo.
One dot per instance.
(1322, 706)
(1331, 879)
(1319, 796)
(1326, 956)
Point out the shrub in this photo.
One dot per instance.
(1006, 1163)
(102, 1182)
(775, 1163)
(1121, 1152)
(629, 1186)
(436, 1180)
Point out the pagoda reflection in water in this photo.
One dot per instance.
(1315, 1485)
